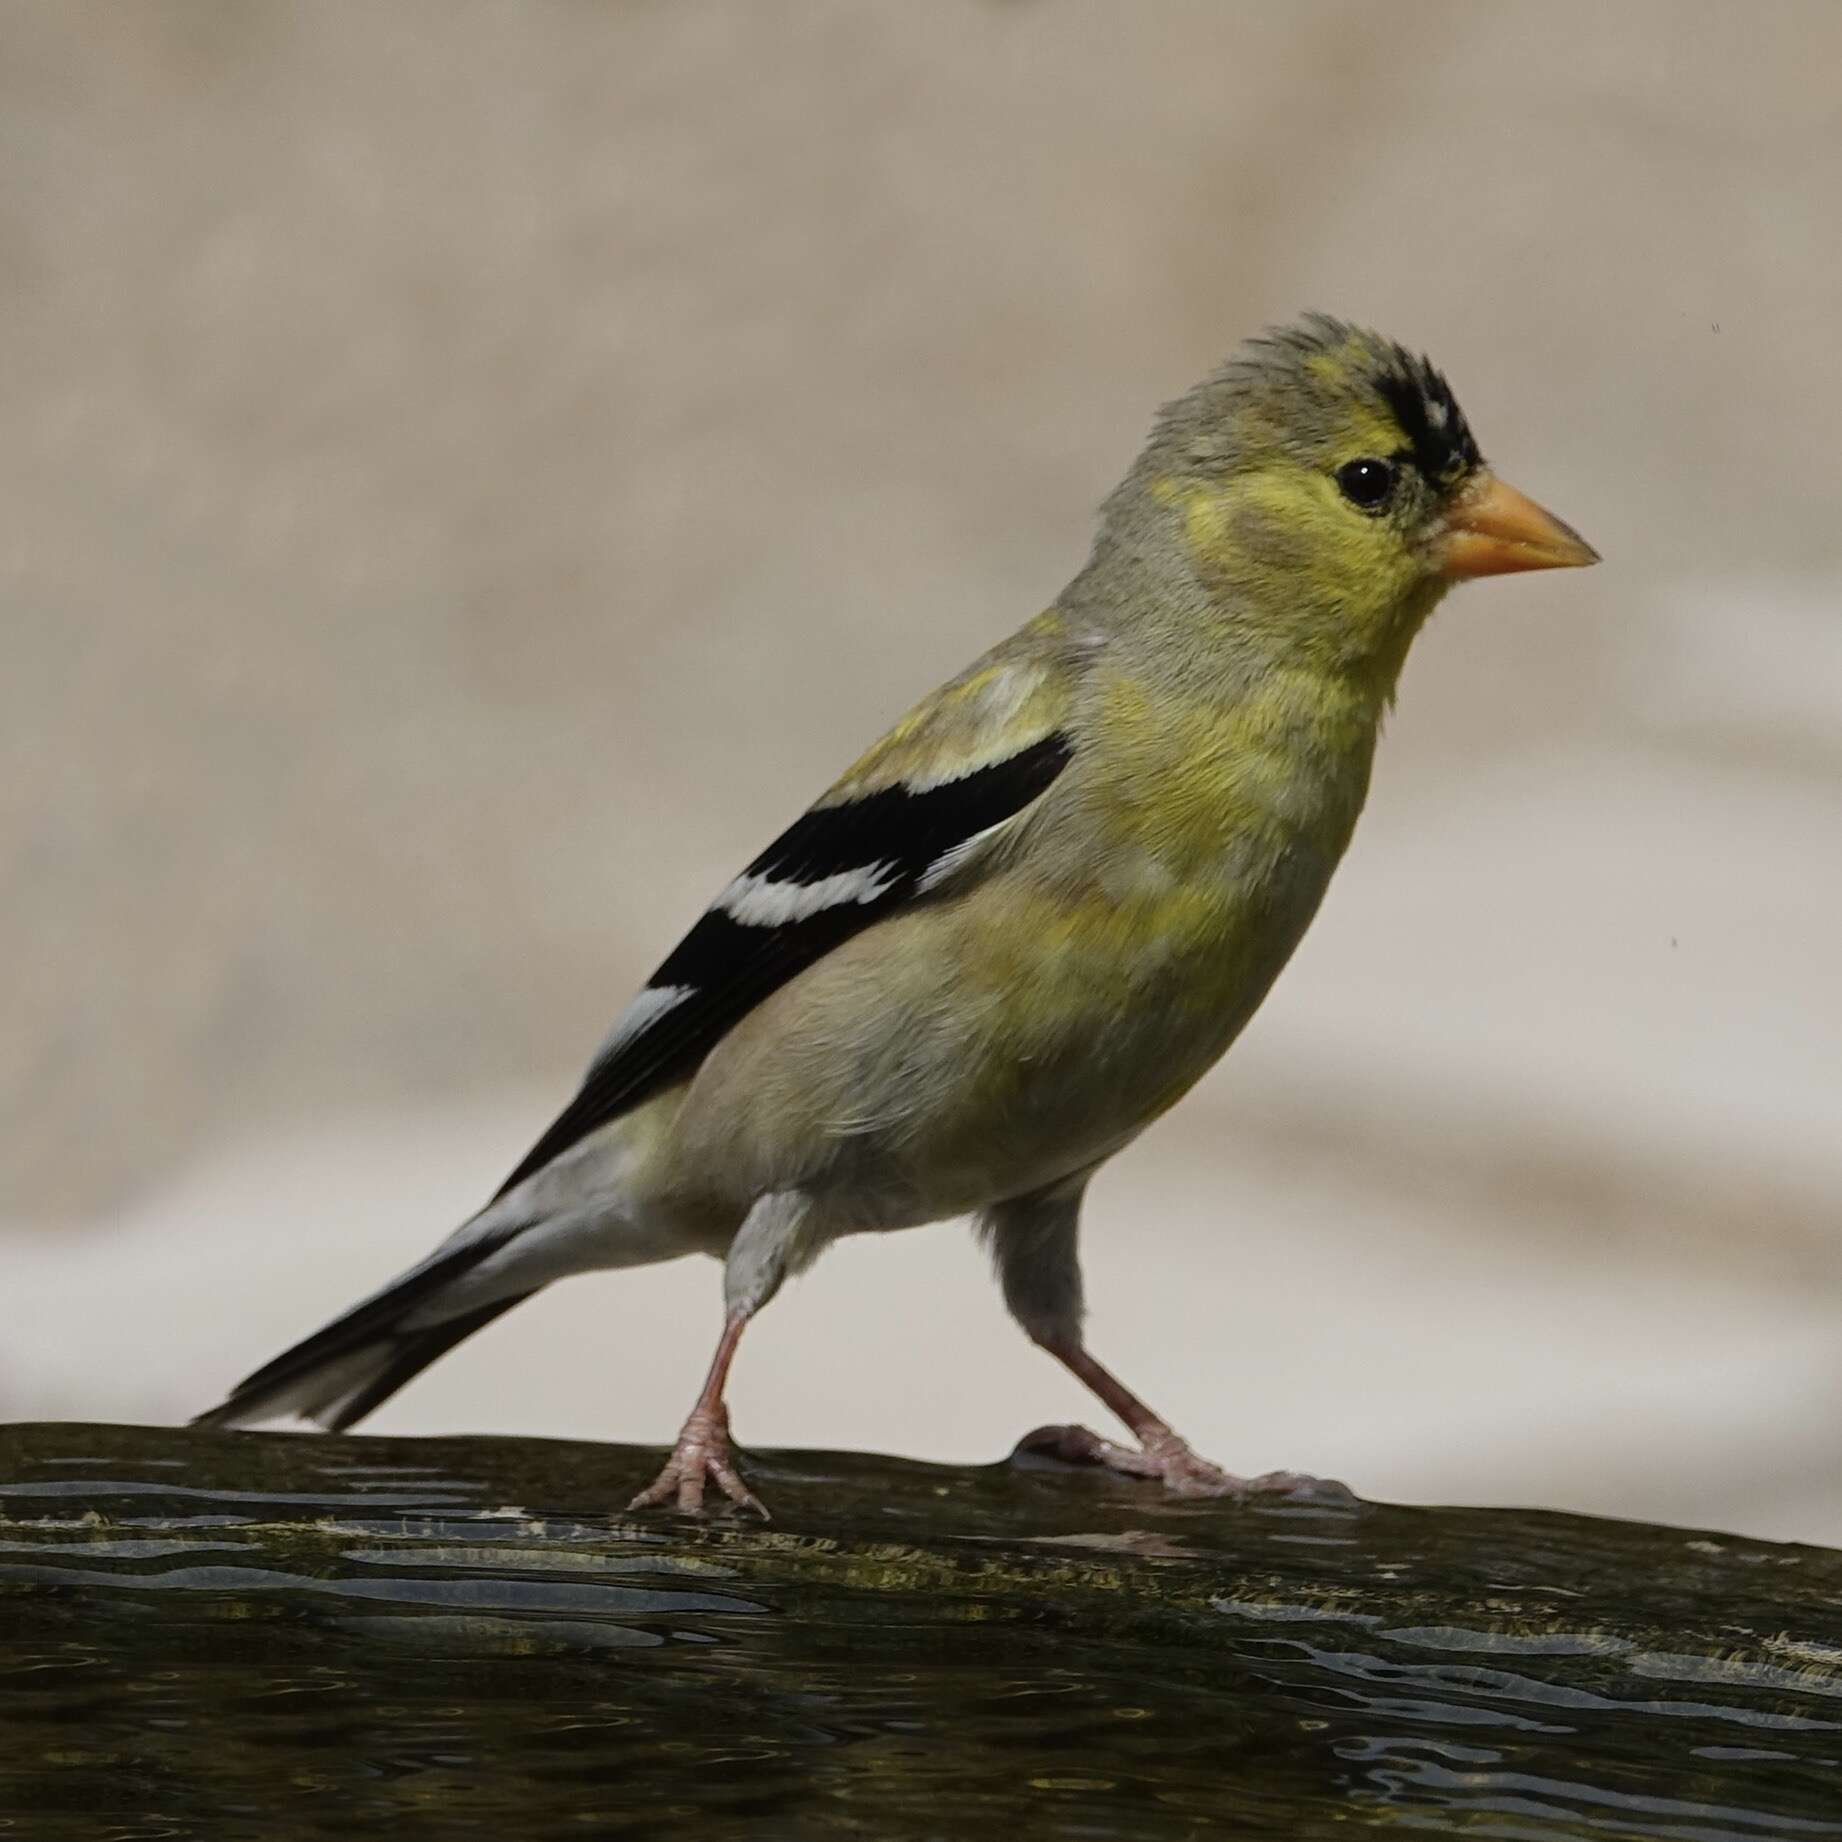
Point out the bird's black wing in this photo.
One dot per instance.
(842, 865)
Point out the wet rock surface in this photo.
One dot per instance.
(227, 1635)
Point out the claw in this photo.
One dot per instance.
(1170, 1460)
(703, 1452)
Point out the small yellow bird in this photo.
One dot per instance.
(1025, 922)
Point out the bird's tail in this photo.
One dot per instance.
(340, 1373)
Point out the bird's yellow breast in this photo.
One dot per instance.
(1207, 789)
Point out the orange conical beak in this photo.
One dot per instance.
(1494, 530)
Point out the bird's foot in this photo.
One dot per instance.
(1170, 1460)
(703, 1453)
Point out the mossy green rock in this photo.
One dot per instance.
(236, 1635)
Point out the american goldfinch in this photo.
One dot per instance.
(1024, 923)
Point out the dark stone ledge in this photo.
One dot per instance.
(223, 1634)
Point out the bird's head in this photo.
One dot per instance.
(1325, 487)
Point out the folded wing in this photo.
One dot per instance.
(944, 785)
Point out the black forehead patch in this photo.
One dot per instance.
(1438, 437)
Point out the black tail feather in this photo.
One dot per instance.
(285, 1384)
(413, 1354)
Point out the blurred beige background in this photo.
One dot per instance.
(469, 473)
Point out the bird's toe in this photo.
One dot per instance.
(702, 1455)
(1181, 1471)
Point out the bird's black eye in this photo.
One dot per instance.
(1366, 483)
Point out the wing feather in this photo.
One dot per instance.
(913, 811)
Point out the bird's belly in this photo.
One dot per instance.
(1103, 1050)
(936, 1069)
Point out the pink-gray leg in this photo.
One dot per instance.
(1032, 1242)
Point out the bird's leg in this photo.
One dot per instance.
(1162, 1453)
(1033, 1246)
(703, 1450)
(779, 1236)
